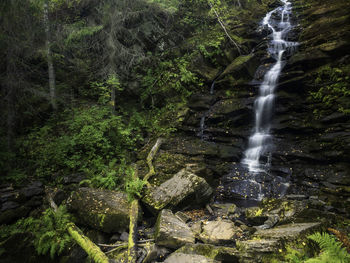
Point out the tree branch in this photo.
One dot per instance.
(223, 26)
(150, 157)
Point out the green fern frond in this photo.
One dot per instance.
(331, 250)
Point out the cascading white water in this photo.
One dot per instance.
(260, 141)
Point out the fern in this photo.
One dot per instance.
(294, 256)
(331, 250)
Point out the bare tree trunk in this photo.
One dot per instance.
(10, 99)
(150, 157)
(51, 69)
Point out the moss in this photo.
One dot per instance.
(90, 248)
(237, 64)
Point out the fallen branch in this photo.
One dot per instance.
(139, 243)
(150, 157)
(223, 26)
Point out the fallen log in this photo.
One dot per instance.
(94, 252)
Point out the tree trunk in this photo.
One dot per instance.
(10, 98)
(85, 243)
(134, 215)
(150, 157)
(51, 69)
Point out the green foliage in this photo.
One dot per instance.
(133, 186)
(331, 251)
(52, 236)
(168, 79)
(49, 231)
(169, 5)
(79, 30)
(334, 91)
(85, 138)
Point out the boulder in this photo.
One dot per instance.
(259, 245)
(253, 251)
(287, 232)
(33, 189)
(220, 232)
(172, 232)
(103, 210)
(183, 188)
(188, 258)
(226, 254)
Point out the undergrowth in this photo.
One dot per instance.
(331, 251)
(48, 233)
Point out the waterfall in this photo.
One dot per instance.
(260, 142)
(202, 121)
(212, 88)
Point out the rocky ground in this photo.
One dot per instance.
(190, 212)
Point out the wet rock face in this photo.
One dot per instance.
(103, 210)
(311, 151)
(184, 188)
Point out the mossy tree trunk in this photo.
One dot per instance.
(134, 215)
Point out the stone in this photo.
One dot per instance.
(74, 178)
(241, 63)
(288, 232)
(124, 236)
(220, 232)
(153, 252)
(259, 245)
(172, 232)
(103, 210)
(182, 216)
(188, 258)
(9, 205)
(34, 188)
(183, 188)
(220, 253)
(296, 197)
(226, 210)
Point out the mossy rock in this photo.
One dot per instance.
(103, 210)
(245, 64)
(184, 188)
(166, 164)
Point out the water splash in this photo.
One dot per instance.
(260, 142)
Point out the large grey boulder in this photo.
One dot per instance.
(188, 258)
(171, 231)
(288, 232)
(265, 242)
(220, 232)
(183, 188)
(104, 210)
